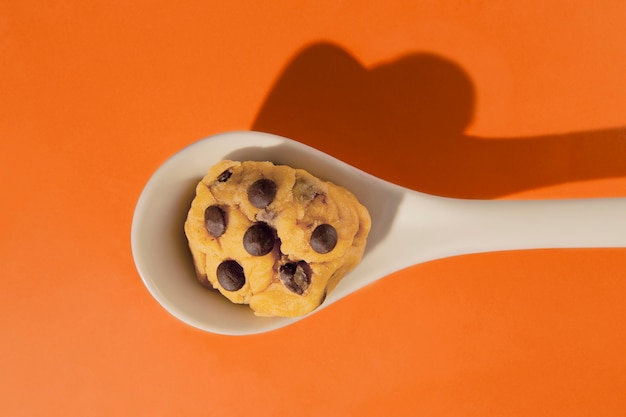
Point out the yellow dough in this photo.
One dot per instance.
(274, 237)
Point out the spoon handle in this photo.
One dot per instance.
(443, 227)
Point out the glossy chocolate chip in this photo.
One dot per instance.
(323, 238)
(259, 239)
(230, 275)
(224, 176)
(215, 221)
(295, 276)
(262, 192)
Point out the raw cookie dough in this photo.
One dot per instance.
(273, 237)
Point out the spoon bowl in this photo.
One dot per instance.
(408, 227)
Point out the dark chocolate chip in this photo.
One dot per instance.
(323, 238)
(215, 221)
(262, 192)
(230, 275)
(295, 276)
(259, 239)
(224, 176)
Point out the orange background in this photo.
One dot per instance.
(469, 98)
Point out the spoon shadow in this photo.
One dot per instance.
(405, 121)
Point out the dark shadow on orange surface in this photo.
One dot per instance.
(405, 121)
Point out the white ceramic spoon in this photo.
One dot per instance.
(408, 227)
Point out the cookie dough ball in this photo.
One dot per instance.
(274, 237)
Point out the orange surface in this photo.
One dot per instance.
(470, 98)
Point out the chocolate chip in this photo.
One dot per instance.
(295, 276)
(224, 176)
(323, 238)
(215, 221)
(262, 192)
(259, 239)
(230, 275)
